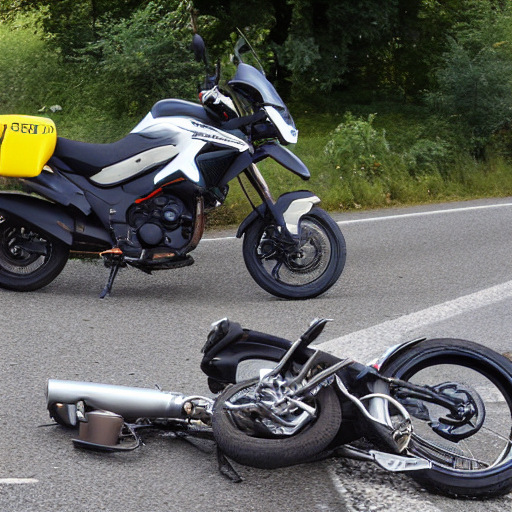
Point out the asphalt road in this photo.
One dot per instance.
(443, 270)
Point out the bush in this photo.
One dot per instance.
(135, 65)
(357, 147)
(28, 69)
(474, 80)
(114, 82)
(427, 157)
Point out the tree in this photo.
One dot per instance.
(137, 66)
(311, 40)
(475, 75)
(71, 24)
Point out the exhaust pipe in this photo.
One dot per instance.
(129, 402)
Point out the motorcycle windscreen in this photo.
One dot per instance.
(26, 144)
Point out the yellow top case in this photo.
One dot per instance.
(26, 144)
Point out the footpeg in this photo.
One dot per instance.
(395, 463)
(388, 461)
(115, 251)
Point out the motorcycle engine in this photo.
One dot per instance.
(161, 221)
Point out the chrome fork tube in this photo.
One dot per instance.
(258, 182)
(378, 414)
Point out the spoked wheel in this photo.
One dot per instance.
(296, 271)
(28, 260)
(471, 448)
(258, 439)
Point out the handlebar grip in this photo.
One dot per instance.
(238, 122)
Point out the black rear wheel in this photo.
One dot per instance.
(296, 271)
(28, 260)
(470, 451)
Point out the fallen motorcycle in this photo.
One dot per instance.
(439, 409)
(141, 201)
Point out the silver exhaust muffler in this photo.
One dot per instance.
(129, 402)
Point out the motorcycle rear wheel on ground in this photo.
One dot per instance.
(291, 273)
(28, 260)
(470, 458)
(273, 451)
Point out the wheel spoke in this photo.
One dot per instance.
(297, 267)
(276, 269)
(446, 455)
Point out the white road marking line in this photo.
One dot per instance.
(380, 336)
(218, 239)
(16, 481)
(393, 217)
(424, 214)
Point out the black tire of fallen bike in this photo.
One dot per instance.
(483, 483)
(272, 453)
(322, 227)
(14, 263)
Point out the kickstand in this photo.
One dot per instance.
(114, 269)
(226, 468)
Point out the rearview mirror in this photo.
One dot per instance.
(199, 48)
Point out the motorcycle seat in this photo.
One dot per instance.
(88, 159)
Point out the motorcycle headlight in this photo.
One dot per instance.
(284, 124)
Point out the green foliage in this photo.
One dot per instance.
(420, 157)
(29, 71)
(356, 147)
(312, 40)
(475, 78)
(144, 58)
(101, 96)
(427, 156)
(323, 35)
(70, 25)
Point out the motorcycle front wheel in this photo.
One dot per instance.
(28, 260)
(472, 457)
(267, 447)
(296, 271)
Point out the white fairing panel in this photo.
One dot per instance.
(190, 137)
(296, 210)
(135, 165)
(184, 162)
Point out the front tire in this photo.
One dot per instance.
(28, 260)
(279, 451)
(474, 466)
(292, 273)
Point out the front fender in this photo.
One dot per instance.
(287, 210)
(233, 354)
(393, 352)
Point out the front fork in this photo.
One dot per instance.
(257, 180)
(287, 210)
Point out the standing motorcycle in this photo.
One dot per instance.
(142, 200)
(438, 409)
